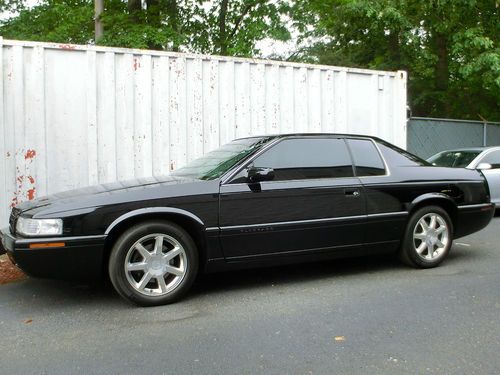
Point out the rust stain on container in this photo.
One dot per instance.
(67, 46)
(30, 154)
(14, 202)
(137, 64)
(31, 194)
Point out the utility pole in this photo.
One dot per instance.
(99, 8)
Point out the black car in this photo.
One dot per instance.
(256, 201)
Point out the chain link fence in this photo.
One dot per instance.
(428, 136)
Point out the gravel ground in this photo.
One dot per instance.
(366, 315)
(9, 272)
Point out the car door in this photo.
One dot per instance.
(492, 175)
(385, 215)
(314, 203)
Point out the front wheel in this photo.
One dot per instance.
(153, 263)
(428, 238)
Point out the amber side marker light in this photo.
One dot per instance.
(50, 244)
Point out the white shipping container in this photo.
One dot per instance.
(72, 116)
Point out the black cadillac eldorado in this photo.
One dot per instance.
(256, 201)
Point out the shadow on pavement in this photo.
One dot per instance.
(332, 269)
(291, 274)
(47, 293)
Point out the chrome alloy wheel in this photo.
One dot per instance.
(431, 236)
(155, 265)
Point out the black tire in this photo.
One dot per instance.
(125, 248)
(408, 253)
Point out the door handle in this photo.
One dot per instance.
(351, 193)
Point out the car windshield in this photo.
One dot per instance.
(456, 159)
(215, 163)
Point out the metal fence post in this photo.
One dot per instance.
(485, 133)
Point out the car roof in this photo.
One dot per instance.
(271, 136)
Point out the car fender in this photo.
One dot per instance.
(154, 210)
(428, 196)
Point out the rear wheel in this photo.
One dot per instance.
(428, 238)
(153, 263)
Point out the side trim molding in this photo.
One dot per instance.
(387, 214)
(480, 206)
(312, 221)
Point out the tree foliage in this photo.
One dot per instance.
(67, 21)
(12, 6)
(228, 27)
(449, 47)
(233, 27)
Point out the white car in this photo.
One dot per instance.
(487, 159)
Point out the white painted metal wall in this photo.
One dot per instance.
(72, 116)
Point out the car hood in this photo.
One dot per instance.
(140, 189)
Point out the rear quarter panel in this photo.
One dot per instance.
(408, 186)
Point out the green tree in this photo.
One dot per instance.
(223, 27)
(449, 47)
(66, 21)
(11, 5)
(233, 27)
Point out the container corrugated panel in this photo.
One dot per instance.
(73, 116)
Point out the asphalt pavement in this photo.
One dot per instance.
(357, 316)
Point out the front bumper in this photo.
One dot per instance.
(80, 258)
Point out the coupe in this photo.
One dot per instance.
(256, 201)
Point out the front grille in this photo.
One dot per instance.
(13, 219)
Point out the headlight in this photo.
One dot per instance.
(39, 227)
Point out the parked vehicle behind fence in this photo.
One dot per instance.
(486, 159)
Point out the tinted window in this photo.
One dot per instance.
(397, 156)
(215, 163)
(297, 159)
(457, 159)
(492, 158)
(367, 160)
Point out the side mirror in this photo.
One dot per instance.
(255, 174)
(483, 166)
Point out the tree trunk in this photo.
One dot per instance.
(134, 7)
(442, 74)
(153, 8)
(153, 19)
(442, 62)
(222, 39)
(173, 18)
(99, 29)
(439, 29)
(394, 49)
